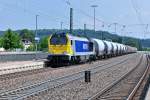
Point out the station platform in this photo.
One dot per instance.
(17, 66)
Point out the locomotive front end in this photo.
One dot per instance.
(60, 49)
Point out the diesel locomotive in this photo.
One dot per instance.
(66, 48)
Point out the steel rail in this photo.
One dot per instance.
(106, 88)
(132, 94)
(30, 72)
(24, 92)
(19, 68)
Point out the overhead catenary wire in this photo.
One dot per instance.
(59, 19)
(31, 12)
(137, 11)
(103, 23)
(139, 17)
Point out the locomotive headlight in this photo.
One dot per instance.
(65, 52)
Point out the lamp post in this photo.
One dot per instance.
(61, 26)
(123, 31)
(85, 30)
(115, 24)
(94, 6)
(71, 20)
(36, 30)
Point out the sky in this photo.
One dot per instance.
(134, 15)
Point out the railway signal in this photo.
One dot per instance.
(87, 76)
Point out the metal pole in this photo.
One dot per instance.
(94, 18)
(146, 30)
(102, 36)
(94, 6)
(71, 20)
(115, 27)
(36, 30)
(85, 29)
(61, 24)
(123, 35)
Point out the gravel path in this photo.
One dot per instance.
(79, 90)
(13, 83)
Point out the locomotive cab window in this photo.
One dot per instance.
(71, 42)
(58, 39)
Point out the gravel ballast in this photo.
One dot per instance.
(51, 73)
(79, 90)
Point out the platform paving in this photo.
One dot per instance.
(11, 67)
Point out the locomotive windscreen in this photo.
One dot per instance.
(58, 39)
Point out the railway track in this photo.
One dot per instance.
(31, 90)
(28, 72)
(139, 92)
(126, 86)
(19, 79)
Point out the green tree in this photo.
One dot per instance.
(17, 41)
(31, 48)
(1, 41)
(11, 40)
(27, 34)
(44, 44)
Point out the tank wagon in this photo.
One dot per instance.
(66, 48)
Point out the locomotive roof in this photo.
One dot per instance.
(72, 37)
(77, 38)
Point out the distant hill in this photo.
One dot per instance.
(80, 32)
(1, 33)
(146, 43)
(98, 34)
